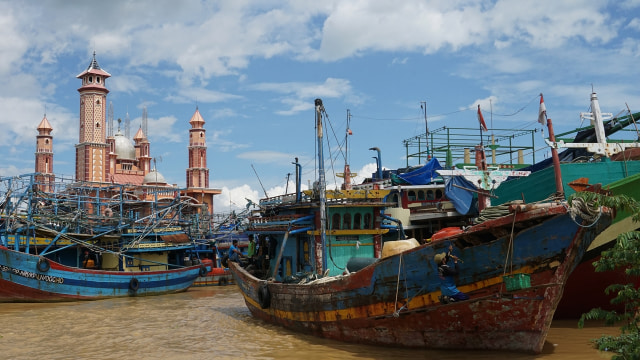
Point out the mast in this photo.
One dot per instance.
(321, 184)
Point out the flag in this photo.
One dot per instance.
(542, 112)
(483, 126)
(349, 132)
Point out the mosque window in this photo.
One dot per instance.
(98, 79)
(98, 125)
(201, 134)
(46, 141)
(90, 79)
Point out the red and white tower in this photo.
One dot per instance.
(44, 156)
(197, 173)
(92, 149)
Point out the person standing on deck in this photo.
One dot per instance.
(251, 249)
(447, 274)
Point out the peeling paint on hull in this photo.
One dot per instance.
(395, 300)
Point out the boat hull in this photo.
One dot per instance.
(30, 278)
(395, 300)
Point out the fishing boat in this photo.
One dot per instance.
(63, 240)
(332, 282)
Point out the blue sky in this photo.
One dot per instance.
(254, 68)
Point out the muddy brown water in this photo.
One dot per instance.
(213, 323)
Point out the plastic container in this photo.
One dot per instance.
(517, 281)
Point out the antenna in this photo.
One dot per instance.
(423, 106)
(265, 191)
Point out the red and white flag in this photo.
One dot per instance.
(542, 112)
(483, 126)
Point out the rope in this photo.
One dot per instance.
(396, 311)
(590, 212)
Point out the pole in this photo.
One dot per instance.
(423, 106)
(321, 185)
(556, 161)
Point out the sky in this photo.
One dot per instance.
(254, 67)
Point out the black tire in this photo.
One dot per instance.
(225, 261)
(223, 282)
(203, 270)
(134, 284)
(43, 264)
(264, 296)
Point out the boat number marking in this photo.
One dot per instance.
(31, 275)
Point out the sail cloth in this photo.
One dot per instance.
(462, 199)
(424, 175)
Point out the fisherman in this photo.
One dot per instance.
(251, 249)
(234, 253)
(450, 292)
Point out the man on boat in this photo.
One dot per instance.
(447, 274)
(234, 252)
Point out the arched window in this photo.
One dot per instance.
(98, 79)
(420, 194)
(430, 195)
(357, 220)
(438, 194)
(367, 221)
(411, 195)
(346, 222)
(335, 221)
(90, 79)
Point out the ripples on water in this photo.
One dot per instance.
(212, 323)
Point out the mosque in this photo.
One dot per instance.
(104, 157)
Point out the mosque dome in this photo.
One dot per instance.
(154, 177)
(124, 147)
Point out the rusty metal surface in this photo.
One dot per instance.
(395, 302)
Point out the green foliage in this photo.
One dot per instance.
(625, 255)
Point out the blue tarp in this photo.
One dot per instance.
(424, 175)
(462, 199)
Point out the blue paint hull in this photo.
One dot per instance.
(395, 301)
(30, 278)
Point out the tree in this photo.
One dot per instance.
(625, 254)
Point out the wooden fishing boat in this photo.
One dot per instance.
(332, 283)
(72, 240)
(32, 278)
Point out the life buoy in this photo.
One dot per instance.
(264, 296)
(203, 270)
(223, 282)
(133, 284)
(108, 212)
(43, 264)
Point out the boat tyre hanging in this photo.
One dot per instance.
(203, 270)
(264, 296)
(223, 281)
(43, 264)
(133, 284)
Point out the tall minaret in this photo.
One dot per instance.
(44, 156)
(91, 150)
(197, 173)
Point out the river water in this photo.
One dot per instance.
(213, 323)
